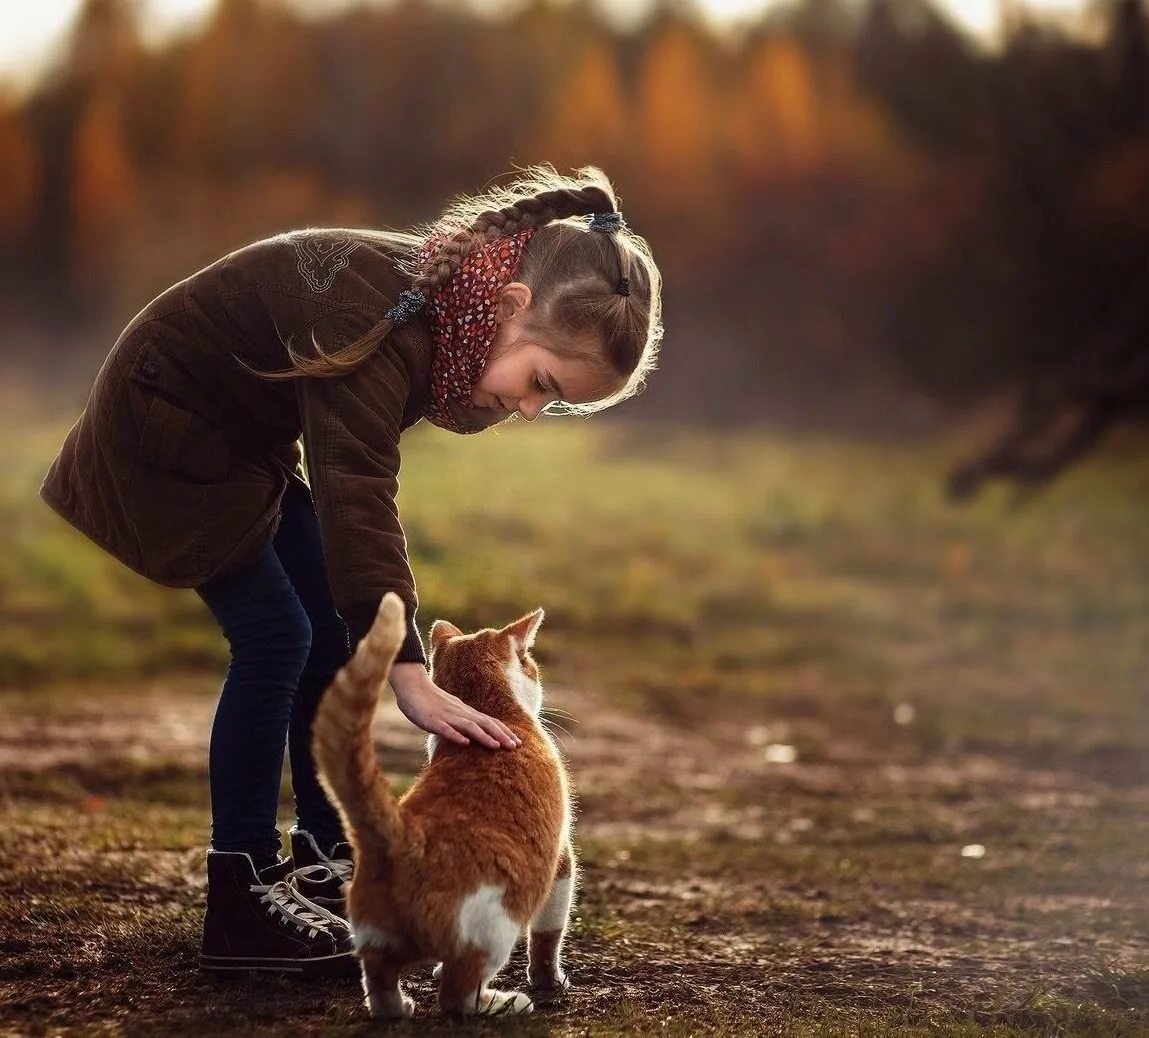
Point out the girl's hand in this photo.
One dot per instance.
(426, 705)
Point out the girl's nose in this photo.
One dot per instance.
(530, 409)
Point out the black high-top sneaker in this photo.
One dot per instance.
(320, 877)
(262, 922)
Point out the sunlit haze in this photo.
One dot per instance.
(29, 31)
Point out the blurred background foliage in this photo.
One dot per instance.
(866, 218)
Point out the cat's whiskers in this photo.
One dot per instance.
(554, 728)
(549, 716)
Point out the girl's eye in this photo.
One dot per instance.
(539, 387)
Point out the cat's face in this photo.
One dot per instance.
(466, 664)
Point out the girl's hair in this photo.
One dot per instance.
(572, 272)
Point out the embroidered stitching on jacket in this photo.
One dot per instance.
(320, 259)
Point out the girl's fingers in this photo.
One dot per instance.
(448, 732)
(477, 730)
(495, 728)
(512, 740)
(484, 725)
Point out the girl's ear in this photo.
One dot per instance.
(514, 297)
(441, 630)
(522, 632)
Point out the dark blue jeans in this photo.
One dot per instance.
(287, 642)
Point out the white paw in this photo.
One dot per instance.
(400, 1007)
(504, 1003)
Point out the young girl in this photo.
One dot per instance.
(186, 466)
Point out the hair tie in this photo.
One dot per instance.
(623, 287)
(607, 223)
(410, 302)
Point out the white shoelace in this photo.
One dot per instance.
(342, 867)
(294, 908)
(329, 868)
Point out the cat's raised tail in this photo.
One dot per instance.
(341, 734)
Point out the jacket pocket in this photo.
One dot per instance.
(181, 442)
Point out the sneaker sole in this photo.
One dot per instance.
(342, 965)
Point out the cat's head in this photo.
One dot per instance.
(476, 666)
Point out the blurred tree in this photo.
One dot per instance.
(518, 63)
(1128, 66)
(925, 71)
(822, 25)
(591, 115)
(773, 120)
(104, 189)
(104, 44)
(675, 107)
(850, 188)
(676, 135)
(859, 128)
(74, 117)
(22, 178)
(297, 90)
(219, 126)
(1075, 134)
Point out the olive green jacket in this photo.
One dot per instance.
(181, 456)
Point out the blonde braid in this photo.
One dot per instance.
(526, 213)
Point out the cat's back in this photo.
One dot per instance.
(489, 820)
(519, 793)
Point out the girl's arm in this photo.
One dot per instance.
(351, 433)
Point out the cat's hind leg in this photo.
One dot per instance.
(382, 968)
(485, 937)
(545, 972)
(463, 987)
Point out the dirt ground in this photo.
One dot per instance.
(725, 889)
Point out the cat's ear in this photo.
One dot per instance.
(522, 632)
(441, 630)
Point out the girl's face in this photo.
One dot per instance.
(529, 368)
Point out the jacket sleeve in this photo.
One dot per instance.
(351, 427)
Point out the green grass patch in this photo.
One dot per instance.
(687, 572)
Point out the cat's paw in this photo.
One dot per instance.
(549, 989)
(504, 1003)
(391, 1007)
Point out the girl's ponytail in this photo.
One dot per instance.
(345, 360)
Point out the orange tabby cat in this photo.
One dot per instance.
(477, 851)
